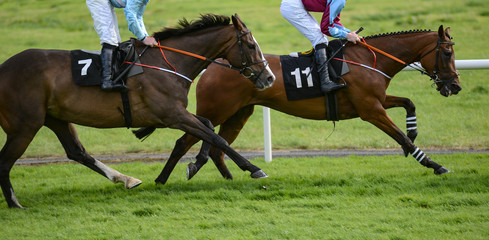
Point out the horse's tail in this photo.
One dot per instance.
(144, 132)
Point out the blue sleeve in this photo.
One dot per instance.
(338, 31)
(335, 8)
(134, 11)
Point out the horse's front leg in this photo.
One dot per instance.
(202, 157)
(378, 117)
(406, 103)
(182, 146)
(229, 130)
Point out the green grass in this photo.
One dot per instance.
(354, 197)
(306, 198)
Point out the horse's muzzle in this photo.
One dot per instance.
(449, 89)
(265, 79)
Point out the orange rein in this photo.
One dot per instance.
(382, 52)
(240, 70)
(182, 52)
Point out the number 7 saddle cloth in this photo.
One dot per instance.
(86, 66)
(301, 79)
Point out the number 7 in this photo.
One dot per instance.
(87, 63)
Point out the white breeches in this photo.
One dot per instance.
(104, 21)
(294, 12)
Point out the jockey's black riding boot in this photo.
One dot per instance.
(322, 67)
(107, 56)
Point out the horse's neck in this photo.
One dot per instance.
(409, 47)
(214, 43)
(210, 43)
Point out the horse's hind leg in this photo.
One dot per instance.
(13, 149)
(378, 117)
(67, 135)
(406, 103)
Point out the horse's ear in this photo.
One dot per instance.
(441, 32)
(238, 24)
(447, 31)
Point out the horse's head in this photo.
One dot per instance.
(439, 62)
(247, 56)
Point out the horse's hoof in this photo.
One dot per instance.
(132, 183)
(160, 180)
(17, 205)
(191, 170)
(259, 174)
(228, 177)
(441, 170)
(406, 151)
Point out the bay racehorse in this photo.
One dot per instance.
(37, 89)
(227, 99)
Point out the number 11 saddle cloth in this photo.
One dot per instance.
(301, 79)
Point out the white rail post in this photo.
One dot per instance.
(267, 134)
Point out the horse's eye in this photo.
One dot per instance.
(252, 46)
(447, 54)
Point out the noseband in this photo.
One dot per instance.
(434, 76)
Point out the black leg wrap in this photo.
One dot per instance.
(411, 126)
(421, 157)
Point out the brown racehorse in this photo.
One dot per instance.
(227, 99)
(37, 89)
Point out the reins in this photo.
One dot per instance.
(382, 52)
(433, 76)
(199, 57)
(183, 52)
(243, 60)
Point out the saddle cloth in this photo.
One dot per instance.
(301, 79)
(86, 66)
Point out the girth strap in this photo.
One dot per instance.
(330, 97)
(331, 107)
(126, 111)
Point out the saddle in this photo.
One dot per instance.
(86, 69)
(301, 79)
(86, 66)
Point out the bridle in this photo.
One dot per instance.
(434, 76)
(244, 58)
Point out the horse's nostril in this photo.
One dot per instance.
(271, 79)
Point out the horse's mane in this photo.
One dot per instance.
(185, 26)
(397, 33)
